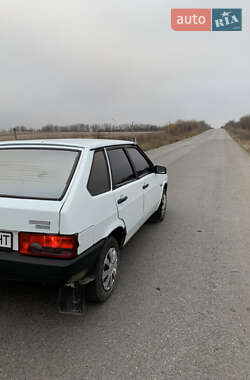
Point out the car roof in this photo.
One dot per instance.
(78, 143)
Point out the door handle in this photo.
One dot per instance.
(122, 199)
(145, 186)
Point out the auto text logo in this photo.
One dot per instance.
(206, 19)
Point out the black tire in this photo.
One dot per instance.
(160, 213)
(100, 290)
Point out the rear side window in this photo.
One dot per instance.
(36, 173)
(122, 171)
(141, 165)
(99, 176)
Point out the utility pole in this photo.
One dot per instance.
(132, 129)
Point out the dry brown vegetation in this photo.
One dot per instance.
(242, 136)
(240, 131)
(147, 140)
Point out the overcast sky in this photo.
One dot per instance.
(70, 61)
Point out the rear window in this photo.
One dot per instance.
(36, 173)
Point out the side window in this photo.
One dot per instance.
(99, 175)
(141, 165)
(120, 166)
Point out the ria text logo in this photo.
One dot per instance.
(227, 20)
(199, 19)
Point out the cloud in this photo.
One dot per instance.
(96, 61)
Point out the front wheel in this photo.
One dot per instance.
(160, 213)
(106, 272)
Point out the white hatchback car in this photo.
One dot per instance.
(68, 206)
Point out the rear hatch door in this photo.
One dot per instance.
(26, 215)
(29, 215)
(33, 183)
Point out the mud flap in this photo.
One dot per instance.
(71, 299)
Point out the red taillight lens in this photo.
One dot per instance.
(57, 246)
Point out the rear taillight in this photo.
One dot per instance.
(56, 246)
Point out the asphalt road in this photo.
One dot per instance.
(182, 307)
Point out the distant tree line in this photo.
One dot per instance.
(106, 127)
(176, 127)
(243, 123)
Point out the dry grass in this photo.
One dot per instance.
(242, 136)
(147, 140)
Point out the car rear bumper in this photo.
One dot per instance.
(17, 267)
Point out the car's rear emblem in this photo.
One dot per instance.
(40, 224)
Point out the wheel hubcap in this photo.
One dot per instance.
(109, 269)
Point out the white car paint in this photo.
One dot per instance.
(91, 217)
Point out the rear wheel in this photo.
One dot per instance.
(160, 213)
(106, 272)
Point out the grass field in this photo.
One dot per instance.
(147, 140)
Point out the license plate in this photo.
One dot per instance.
(5, 240)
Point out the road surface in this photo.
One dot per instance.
(182, 307)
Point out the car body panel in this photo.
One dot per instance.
(93, 218)
(151, 193)
(131, 210)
